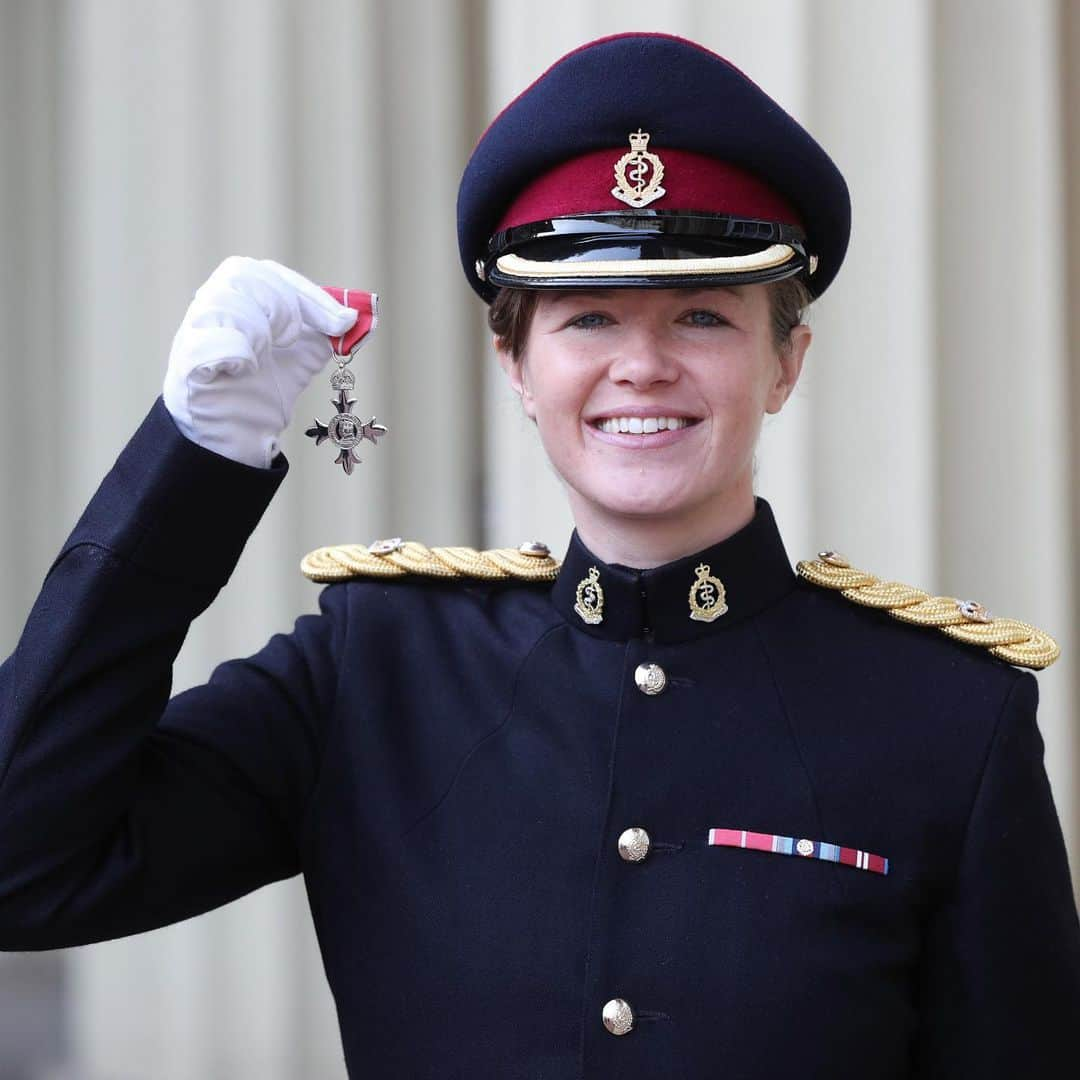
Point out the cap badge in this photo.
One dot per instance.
(638, 173)
(708, 598)
(589, 599)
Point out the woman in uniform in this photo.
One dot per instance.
(663, 809)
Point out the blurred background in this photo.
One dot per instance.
(142, 141)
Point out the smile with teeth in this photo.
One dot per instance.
(642, 425)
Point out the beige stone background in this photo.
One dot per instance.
(141, 141)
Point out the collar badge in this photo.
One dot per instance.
(638, 173)
(708, 598)
(589, 600)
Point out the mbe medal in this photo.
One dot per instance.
(346, 430)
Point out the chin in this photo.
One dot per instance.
(645, 503)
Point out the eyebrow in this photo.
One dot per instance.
(556, 295)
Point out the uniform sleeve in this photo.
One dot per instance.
(121, 810)
(1001, 978)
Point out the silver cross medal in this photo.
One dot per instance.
(345, 430)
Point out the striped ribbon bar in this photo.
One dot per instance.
(809, 849)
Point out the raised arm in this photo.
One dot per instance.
(121, 810)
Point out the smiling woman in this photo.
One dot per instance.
(649, 403)
(668, 809)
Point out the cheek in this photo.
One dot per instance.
(737, 396)
(558, 388)
(748, 381)
(556, 398)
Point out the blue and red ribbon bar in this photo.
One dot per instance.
(808, 849)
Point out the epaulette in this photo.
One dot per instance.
(1017, 642)
(397, 558)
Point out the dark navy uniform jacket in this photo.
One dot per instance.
(451, 764)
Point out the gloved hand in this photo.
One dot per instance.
(253, 337)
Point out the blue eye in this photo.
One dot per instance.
(702, 317)
(591, 321)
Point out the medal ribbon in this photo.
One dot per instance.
(809, 849)
(366, 305)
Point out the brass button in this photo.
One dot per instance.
(634, 844)
(618, 1016)
(650, 678)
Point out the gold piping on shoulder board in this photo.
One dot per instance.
(708, 598)
(589, 599)
(632, 187)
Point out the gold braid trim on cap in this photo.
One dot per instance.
(1017, 642)
(775, 255)
(341, 562)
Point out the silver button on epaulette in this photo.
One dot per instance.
(618, 1016)
(386, 547)
(973, 611)
(634, 844)
(650, 678)
(834, 558)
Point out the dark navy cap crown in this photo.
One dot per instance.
(536, 204)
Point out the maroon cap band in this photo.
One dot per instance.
(691, 181)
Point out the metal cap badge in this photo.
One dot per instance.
(632, 188)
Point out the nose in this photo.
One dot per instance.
(642, 361)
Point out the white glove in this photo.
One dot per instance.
(254, 336)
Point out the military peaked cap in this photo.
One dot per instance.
(646, 160)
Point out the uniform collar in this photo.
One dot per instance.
(748, 571)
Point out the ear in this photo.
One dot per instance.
(517, 375)
(789, 367)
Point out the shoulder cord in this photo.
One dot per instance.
(338, 562)
(1014, 641)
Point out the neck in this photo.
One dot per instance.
(644, 542)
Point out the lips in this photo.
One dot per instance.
(641, 428)
(641, 420)
(642, 425)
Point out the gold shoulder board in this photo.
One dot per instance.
(399, 558)
(1017, 642)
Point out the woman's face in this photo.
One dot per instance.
(689, 372)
